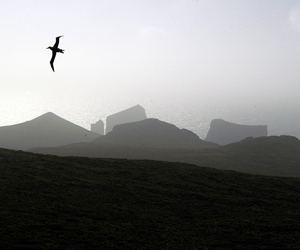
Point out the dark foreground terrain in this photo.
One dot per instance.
(270, 155)
(50, 202)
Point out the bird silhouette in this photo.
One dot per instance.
(55, 49)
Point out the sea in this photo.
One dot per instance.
(281, 118)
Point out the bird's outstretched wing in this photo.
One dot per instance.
(56, 42)
(52, 60)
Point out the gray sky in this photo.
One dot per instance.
(122, 53)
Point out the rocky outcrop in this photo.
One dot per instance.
(133, 114)
(153, 133)
(98, 127)
(223, 132)
(47, 130)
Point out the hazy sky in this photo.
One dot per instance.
(149, 52)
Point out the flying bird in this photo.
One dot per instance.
(55, 49)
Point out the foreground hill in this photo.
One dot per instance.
(152, 133)
(50, 202)
(276, 155)
(47, 130)
(272, 155)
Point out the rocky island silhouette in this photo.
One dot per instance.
(153, 139)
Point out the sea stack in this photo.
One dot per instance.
(133, 114)
(98, 127)
(223, 132)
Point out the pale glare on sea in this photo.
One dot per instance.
(281, 119)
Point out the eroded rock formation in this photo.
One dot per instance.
(98, 127)
(133, 114)
(223, 132)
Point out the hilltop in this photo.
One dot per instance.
(152, 133)
(47, 130)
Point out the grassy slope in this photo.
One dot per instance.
(50, 202)
(272, 155)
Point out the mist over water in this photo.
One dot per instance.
(281, 118)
